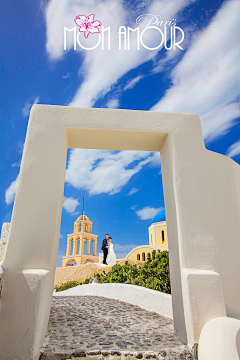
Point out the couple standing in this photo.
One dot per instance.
(109, 256)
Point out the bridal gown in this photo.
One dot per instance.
(111, 258)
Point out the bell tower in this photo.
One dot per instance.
(79, 243)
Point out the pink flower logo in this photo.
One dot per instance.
(87, 24)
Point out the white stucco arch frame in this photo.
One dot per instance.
(199, 186)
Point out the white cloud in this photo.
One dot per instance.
(148, 212)
(206, 80)
(133, 82)
(124, 248)
(133, 191)
(15, 164)
(234, 149)
(113, 104)
(104, 171)
(27, 107)
(218, 121)
(102, 68)
(172, 56)
(11, 192)
(156, 160)
(70, 204)
(121, 255)
(66, 76)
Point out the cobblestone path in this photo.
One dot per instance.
(89, 325)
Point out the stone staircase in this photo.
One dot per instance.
(97, 328)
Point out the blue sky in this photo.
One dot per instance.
(123, 190)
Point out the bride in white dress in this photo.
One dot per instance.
(111, 257)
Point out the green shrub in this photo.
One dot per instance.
(69, 285)
(154, 274)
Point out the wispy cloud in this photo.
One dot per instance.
(15, 164)
(70, 204)
(133, 82)
(172, 56)
(121, 255)
(124, 248)
(209, 85)
(11, 192)
(113, 104)
(103, 171)
(218, 121)
(27, 107)
(132, 191)
(66, 76)
(102, 68)
(148, 212)
(156, 160)
(6, 217)
(234, 149)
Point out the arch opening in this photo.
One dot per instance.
(71, 262)
(116, 130)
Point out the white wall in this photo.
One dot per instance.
(202, 200)
(147, 299)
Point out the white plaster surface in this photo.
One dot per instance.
(30, 284)
(5, 232)
(147, 299)
(4, 239)
(202, 201)
(202, 284)
(220, 340)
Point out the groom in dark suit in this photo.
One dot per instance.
(105, 248)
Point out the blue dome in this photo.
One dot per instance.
(161, 216)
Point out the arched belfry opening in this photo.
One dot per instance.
(79, 243)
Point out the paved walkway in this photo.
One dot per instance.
(97, 327)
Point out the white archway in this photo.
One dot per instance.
(199, 186)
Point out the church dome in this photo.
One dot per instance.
(83, 217)
(159, 217)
